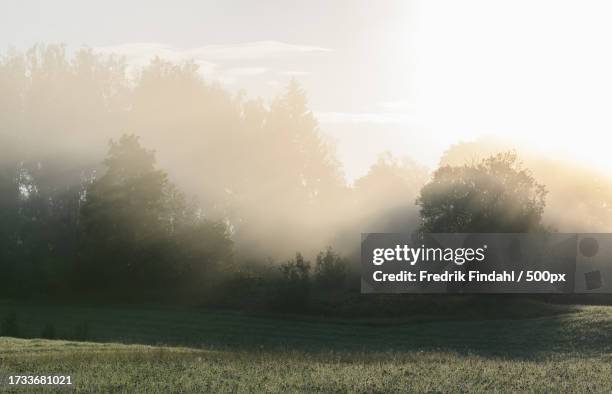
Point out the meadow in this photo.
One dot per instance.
(167, 349)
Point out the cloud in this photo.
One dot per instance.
(226, 63)
(211, 53)
(364, 117)
(138, 55)
(253, 50)
(246, 71)
(398, 112)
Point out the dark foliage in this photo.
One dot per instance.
(48, 331)
(330, 271)
(81, 331)
(10, 326)
(494, 195)
(293, 286)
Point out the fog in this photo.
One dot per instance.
(264, 167)
(579, 197)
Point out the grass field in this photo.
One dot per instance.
(186, 350)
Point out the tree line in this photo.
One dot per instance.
(234, 188)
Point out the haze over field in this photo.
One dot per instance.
(297, 165)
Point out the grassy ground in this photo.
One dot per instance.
(235, 352)
(138, 368)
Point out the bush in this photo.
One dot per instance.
(330, 270)
(293, 288)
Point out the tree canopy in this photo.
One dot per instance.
(137, 230)
(494, 195)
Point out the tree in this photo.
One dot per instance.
(579, 197)
(197, 124)
(47, 149)
(288, 178)
(495, 195)
(123, 212)
(385, 195)
(330, 270)
(293, 287)
(138, 232)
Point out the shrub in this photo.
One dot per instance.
(330, 270)
(294, 285)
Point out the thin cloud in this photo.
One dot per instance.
(253, 50)
(246, 71)
(138, 55)
(364, 117)
(212, 53)
(223, 63)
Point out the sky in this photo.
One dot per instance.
(411, 77)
